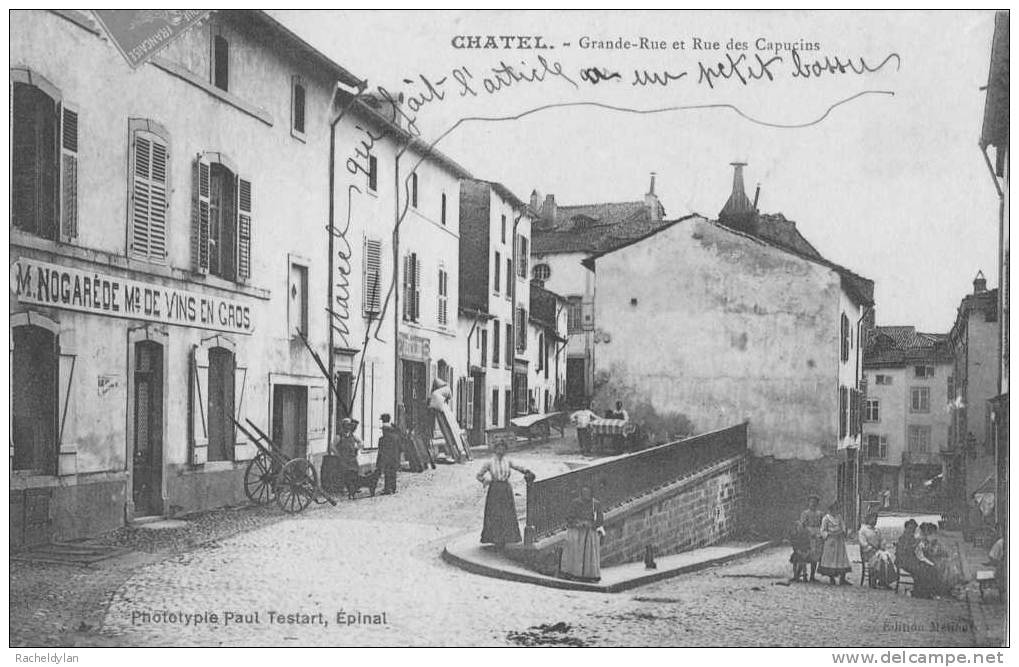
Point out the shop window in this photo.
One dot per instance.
(222, 368)
(149, 195)
(44, 160)
(34, 396)
(221, 62)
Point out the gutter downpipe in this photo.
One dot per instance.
(331, 267)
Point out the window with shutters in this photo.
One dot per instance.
(503, 229)
(371, 283)
(574, 312)
(845, 338)
(221, 62)
(497, 280)
(414, 189)
(298, 102)
(443, 297)
(509, 345)
(509, 277)
(222, 367)
(149, 196)
(484, 348)
(44, 159)
(495, 407)
(843, 411)
(855, 423)
(373, 173)
(508, 405)
(443, 214)
(521, 334)
(496, 348)
(34, 418)
(411, 287)
(522, 257)
(221, 220)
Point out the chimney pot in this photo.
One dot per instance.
(979, 283)
(651, 189)
(549, 209)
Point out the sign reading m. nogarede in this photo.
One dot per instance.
(46, 284)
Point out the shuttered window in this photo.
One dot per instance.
(521, 335)
(522, 257)
(149, 196)
(443, 297)
(68, 174)
(372, 277)
(34, 161)
(222, 221)
(411, 288)
(497, 283)
(843, 411)
(496, 336)
(484, 347)
(509, 345)
(845, 338)
(509, 277)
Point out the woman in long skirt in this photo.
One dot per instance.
(834, 559)
(582, 554)
(500, 526)
(811, 520)
(873, 552)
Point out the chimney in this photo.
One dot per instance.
(979, 283)
(757, 195)
(549, 209)
(535, 200)
(738, 212)
(651, 201)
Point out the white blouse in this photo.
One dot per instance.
(498, 468)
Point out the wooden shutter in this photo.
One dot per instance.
(407, 272)
(417, 287)
(240, 384)
(469, 421)
(244, 216)
(372, 276)
(843, 408)
(443, 298)
(68, 174)
(198, 426)
(200, 206)
(149, 197)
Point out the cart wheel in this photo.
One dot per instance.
(258, 479)
(295, 487)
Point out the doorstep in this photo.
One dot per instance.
(468, 554)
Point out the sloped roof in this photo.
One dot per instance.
(776, 228)
(995, 127)
(594, 228)
(903, 346)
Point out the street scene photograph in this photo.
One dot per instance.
(509, 328)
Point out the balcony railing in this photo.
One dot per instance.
(618, 481)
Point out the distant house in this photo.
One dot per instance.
(906, 419)
(564, 236)
(970, 462)
(711, 323)
(547, 340)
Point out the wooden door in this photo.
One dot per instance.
(290, 420)
(147, 470)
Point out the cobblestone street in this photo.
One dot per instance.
(381, 556)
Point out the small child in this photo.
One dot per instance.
(799, 538)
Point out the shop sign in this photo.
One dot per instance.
(140, 33)
(43, 284)
(413, 347)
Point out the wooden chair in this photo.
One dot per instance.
(905, 579)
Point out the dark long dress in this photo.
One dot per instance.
(500, 515)
(582, 551)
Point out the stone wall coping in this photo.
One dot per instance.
(656, 496)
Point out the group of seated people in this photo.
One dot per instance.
(918, 552)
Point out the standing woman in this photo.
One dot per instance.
(810, 518)
(500, 526)
(834, 559)
(582, 554)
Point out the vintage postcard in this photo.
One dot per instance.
(510, 328)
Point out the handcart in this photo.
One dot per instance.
(292, 482)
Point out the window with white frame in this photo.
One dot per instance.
(877, 447)
(919, 439)
(443, 296)
(872, 410)
(919, 399)
(148, 192)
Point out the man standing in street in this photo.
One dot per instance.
(582, 420)
(388, 460)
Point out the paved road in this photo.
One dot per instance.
(381, 556)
